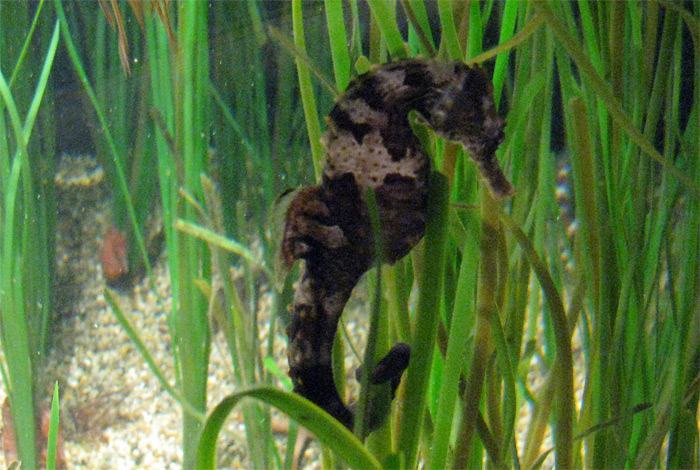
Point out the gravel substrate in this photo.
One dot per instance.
(114, 412)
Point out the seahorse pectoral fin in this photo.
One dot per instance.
(385, 379)
(392, 366)
(277, 221)
(297, 221)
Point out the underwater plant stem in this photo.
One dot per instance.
(585, 184)
(362, 412)
(521, 36)
(52, 438)
(563, 373)
(301, 55)
(418, 18)
(508, 400)
(398, 300)
(338, 43)
(510, 14)
(450, 41)
(383, 13)
(191, 139)
(483, 341)
(454, 359)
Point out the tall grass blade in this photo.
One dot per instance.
(52, 441)
(563, 373)
(338, 43)
(308, 100)
(386, 19)
(427, 319)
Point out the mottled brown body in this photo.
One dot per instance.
(369, 143)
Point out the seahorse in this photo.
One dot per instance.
(369, 143)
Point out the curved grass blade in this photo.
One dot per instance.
(691, 23)
(509, 394)
(300, 54)
(329, 431)
(227, 244)
(456, 345)
(510, 13)
(466, 453)
(362, 411)
(522, 35)
(418, 18)
(27, 43)
(16, 339)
